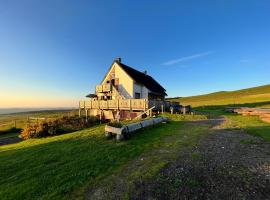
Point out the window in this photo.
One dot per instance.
(137, 95)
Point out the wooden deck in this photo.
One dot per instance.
(126, 104)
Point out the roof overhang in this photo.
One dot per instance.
(91, 95)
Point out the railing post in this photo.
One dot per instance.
(144, 106)
(86, 114)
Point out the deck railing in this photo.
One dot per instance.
(125, 104)
(103, 88)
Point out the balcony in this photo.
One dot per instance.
(103, 88)
(126, 104)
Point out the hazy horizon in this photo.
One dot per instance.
(4, 111)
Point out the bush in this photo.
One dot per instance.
(57, 126)
(115, 124)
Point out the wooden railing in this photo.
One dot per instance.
(125, 104)
(103, 88)
(121, 104)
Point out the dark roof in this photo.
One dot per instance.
(91, 95)
(143, 79)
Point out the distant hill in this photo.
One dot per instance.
(249, 95)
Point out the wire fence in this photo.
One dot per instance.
(11, 124)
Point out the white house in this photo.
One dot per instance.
(125, 93)
(124, 82)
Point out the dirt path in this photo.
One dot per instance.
(227, 164)
(9, 140)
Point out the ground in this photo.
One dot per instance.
(61, 167)
(227, 164)
(9, 138)
(189, 158)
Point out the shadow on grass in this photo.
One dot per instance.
(10, 130)
(54, 167)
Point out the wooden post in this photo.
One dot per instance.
(184, 109)
(86, 114)
(100, 116)
(144, 106)
(162, 108)
(171, 108)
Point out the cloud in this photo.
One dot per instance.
(188, 58)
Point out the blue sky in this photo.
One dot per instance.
(54, 52)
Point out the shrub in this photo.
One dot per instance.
(57, 126)
(115, 124)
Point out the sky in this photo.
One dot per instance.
(54, 52)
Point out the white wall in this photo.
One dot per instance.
(125, 82)
(138, 88)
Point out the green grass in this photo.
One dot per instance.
(178, 117)
(252, 124)
(250, 95)
(21, 118)
(56, 167)
(214, 105)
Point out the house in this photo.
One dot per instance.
(124, 82)
(125, 92)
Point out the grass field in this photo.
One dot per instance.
(252, 124)
(251, 95)
(7, 121)
(55, 167)
(214, 104)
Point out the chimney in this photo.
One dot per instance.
(145, 72)
(118, 59)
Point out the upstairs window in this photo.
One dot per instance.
(137, 95)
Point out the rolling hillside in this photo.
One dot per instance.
(249, 95)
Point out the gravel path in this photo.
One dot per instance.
(227, 164)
